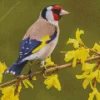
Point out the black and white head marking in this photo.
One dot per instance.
(53, 13)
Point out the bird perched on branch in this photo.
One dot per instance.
(40, 39)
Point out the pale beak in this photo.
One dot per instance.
(63, 12)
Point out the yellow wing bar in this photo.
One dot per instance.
(43, 44)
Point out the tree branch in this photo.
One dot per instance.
(48, 70)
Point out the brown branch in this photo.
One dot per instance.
(49, 70)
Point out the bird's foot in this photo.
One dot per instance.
(44, 71)
(30, 74)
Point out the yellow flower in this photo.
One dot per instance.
(91, 96)
(74, 42)
(27, 83)
(88, 76)
(98, 76)
(80, 54)
(78, 34)
(34, 78)
(74, 62)
(71, 55)
(9, 93)
(3, 67)
(88, 66)
(83, 75)
(78, 40)
(96, 47)
(53, 81)
(95, 93)
(49, 62)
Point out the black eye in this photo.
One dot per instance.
(56, 11)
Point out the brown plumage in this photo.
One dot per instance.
(39, 29)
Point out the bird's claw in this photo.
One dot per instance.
(44, 71)
(30, 74)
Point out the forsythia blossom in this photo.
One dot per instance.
(88, 67)
(88, 77)
(9, 93)
(27, 83)
(49, 62)
(91, 71)
(53, 81)
(34, 78)
(94, 93)
(80, 54)
(98, 76)
(96, 47)
(78, 40)
(3, 67)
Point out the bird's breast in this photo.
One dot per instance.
(48, 49)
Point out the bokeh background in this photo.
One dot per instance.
(16, 16)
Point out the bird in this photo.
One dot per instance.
(40, 39)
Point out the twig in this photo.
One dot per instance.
(52, 69)
(17, 86)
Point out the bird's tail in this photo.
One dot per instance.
(16, 68)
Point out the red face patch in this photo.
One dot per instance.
(57, 7)
(56, 12)
(56, 17)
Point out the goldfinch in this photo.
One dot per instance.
(40, 39)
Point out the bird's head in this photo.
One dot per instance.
(53, 13)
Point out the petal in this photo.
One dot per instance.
(57, 83)
(78, 33)
(88, 66)
(74, 42)
(3, 67)
(80, 76)
(82, 54)
(49, 62)
(19, 88)
(98, 76)
(34, 78)
(69, 55)
(1, 78)
(85, 83)
(91, 96)
(9, 93)
(74, 62)
(27, 83)
(71, 41)
(52, 81)
(49, 81)
(98, 95)
(84, 75)
(96, 47)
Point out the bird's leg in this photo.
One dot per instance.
(42, 63)
(43, 67)
(30, 70)
(30, 66)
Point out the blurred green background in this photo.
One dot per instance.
(16, 16)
